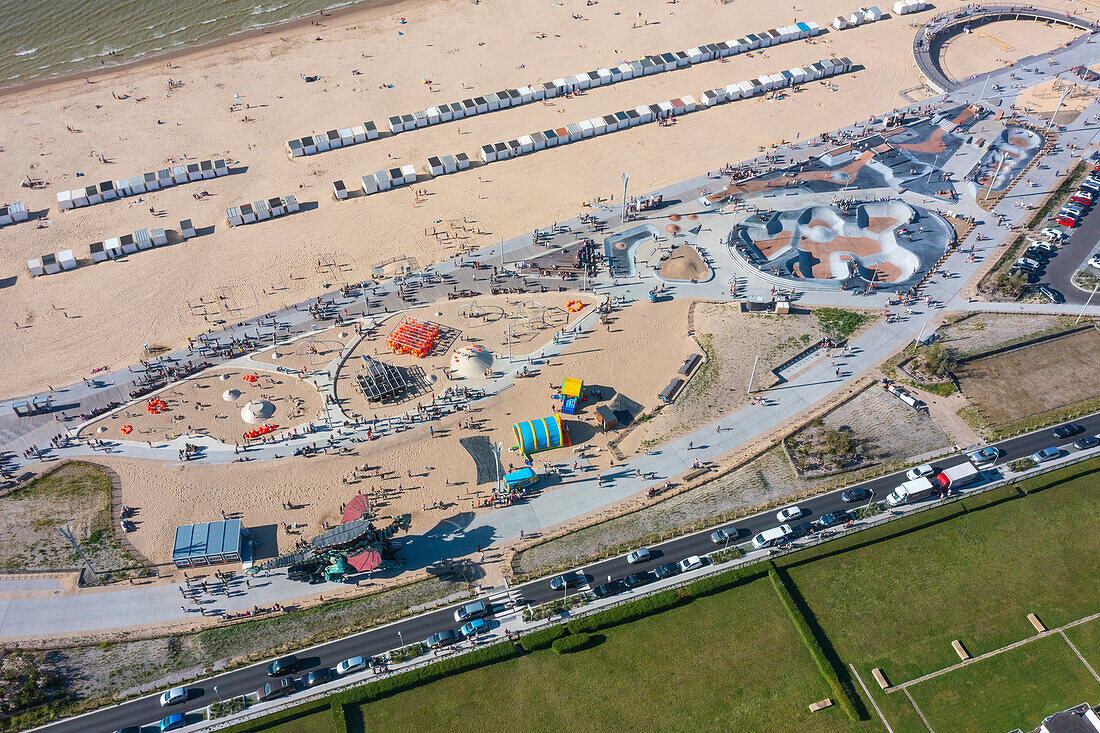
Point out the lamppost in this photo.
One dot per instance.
(217, 693)
(626, 177)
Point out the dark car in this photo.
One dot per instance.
(129, 729)
(283, 665)
(666, 571)
(278, 688)
(635, 580)
(1067, 431)
(317, 677)
(607, 589)
(1051, 295)
(442, 638)
(802, 529)
(832, 519)
(853, 495)
(1089, 441)
(568, 580)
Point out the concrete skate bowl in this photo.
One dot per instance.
(889, 243)
(1006, 158)
(619, 248)
(931, 37)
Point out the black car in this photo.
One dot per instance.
(317, 677)
(1089, 441)
(283, 665)
(666, 571)
(568, 580)
(1067, 431)
(1051, 295)
(802, 529)
(853, 495)
(276, 689)
(832, 519)
(607, 589)
(634, 580)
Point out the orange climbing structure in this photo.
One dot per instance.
(413, 337)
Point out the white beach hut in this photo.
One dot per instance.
(526, 94)
(66, 260)
(710, 98)
(107, 190)
(79, 197)
(142, 239)
(515, 148)
(359, 133)
(65, 200)
(149, 180)
(408, 174)
(724, 49)
(248, 213)
(294, 148)
(234, 216)
(112, 248)
(840, 23)
(580, 81)
(372, 130)
(503, 152)
(369, 184)
(321, 141)
(604, 75)
(290, 201)
(164, 179)
(159, 237)
(396, 125)
(50, 265)
(733, 92)
(262, 209)
(539, 140)
(549, 90)
(538, 91)
(526, 144)
(855, 18)
(450, 164)
(488, 153)
(381, 181)
(193, 172)
(276, 206)
(576, 132)
(779, 80)
(309, 147)
(587, 129)
(334, 142)
(463, 161)
(434, 117)
(187, 228)
(93, 195)
(179, 173)
(695, 55)
(221, 167)
(396, 177)
(339, 190)
(35, 266)
(97, 251)
(347, 137)
(872, 14)
(434, 166)
(633, 118)
(207, 168)
(666, 109)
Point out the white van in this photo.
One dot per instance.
(769, 537)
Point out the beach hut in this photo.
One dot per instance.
(187, 229)
(492, 102)
(97, 252)
(194, 174)
(830, 67)
(276, 206)
(108, 192)
(539, 435)
(35, 266)
(396, 125)
(557, 136)
(840, 23)
(695, 55)
(368, 184)
(450, 163)
(797, 75)
(711, 98)
(381, 181)
(526, 94)
(334, 142)
(504, 98)
(13, 212)
(774, 36)
(408, 174)
(666, 109)
(526, 143)
(538, 92)
(855, 18)
(649, 66)
(599, 125)
(79, 197)
(845, 64)
(164, 178)
(142, 239)
(733, 92)
(872, 14)
(339, 190)
(290, 202)
(359, 133)
(689, 102)
(248, 214)
(395, 177)
(623, 119)
(457, 110)
(159, 237)
(561, 86)
(581, 81)
(488, 153)
(234, 216)
(633, 118)
(50, 265)
(221, 167)
(371, 130)
(179, 172)
(420, 118)
(309, 145)
(129, 246)
(294, 148)
(122, 185)
(606, 77)
(93, 195)
(551, 138)
(463, 161)
(482, 105)
(669, 60)
(503, 152)
(678, 106)
(610, 123)
(516, 148)
(434, 166)
(780, 80)
(469, 107)
(539, 140)
(593, 78)
(408, 121)
(626, 71)
(66, 260)
(587, 128)
(724, 49)
(574, 130)
(149, 181)
(112, 248)
(262, 209)
(515, 96)
(549, 90)
(65, 200)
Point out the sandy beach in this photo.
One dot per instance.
(242, 100)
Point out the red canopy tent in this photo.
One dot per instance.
(366, 561)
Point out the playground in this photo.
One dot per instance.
(888, 243)
(224, 404)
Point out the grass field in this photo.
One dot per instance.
(1086, 638)
(1040, 377)
(320, 722)
(728, 662)
(1016, 689)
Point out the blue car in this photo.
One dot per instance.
(472, 628)
(175, 721)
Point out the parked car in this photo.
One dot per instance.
(477, 609)
(441, 638)
(175, 721)
(173, 696)
(1094, 261)
(635, 580)
(802, 529)
(317, 677)
(568, 580)
(640, 555)
(1053, 234)
(283, 665)
(691, 563)
(607, 589)
(1073, 209)
(788, 513)
(277, 688)
(1084, 194)
(832, 519)
(1034, 253)
(1046, 454)
(920, 471)
(353, 664)
(722, 536)
(666, 571)
(1051, 295)
(1067, 431)
(473, 628)
(984, 457)
(858, 494)
(1044, 246)
(1026, 263)
(1079, 198)
(1067, 221)
(1089, 441)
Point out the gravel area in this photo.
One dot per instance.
(895, 430)
(984, 331)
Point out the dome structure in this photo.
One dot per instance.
(257, 411)
(471, 362)
(231, 395)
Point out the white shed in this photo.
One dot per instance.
(605, 75)
(80, 197)
(626, 71)
(748, 88)
(840, 23)
(66, 260)
(221, 168)
(666, 109)
(599, 125)
(396, 177)
(93, 194)
(779, 81)
(151, 183)
(872, 14)
(645, 114)
(248, 214)
(187, 229)
(207, 168)
(396, 125)
(372, 130)
(359, 134)
(164, 180)
(526, 143)
(382, 181)
(233, 215)
(179, 173)
(587, 128)
(142, 239)
(339, 190)
(294, 147)
(553, 139)
(581, 81)
(112, 248)
(434, 166)
(539, 140)
(574, 130)
(108, 192)
(35, 266)
(450, 164)
(695, 55)
(526, 94)
(463, 161)
(689, 102)
(408, 174)
(710, 98)
(369, 184)
(262, 209)
(159, 237)
(65, 200)
(488, 153)
(290, 201)
(855, 18)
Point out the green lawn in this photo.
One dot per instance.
(319, 722)
(1086, 638)
(1016, 689)
(898, 604)
(732, 661)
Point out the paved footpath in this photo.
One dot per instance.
(44, 613)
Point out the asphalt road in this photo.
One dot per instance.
(1060, 268)
(145, 711)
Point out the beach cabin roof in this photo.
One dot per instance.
(610, 120)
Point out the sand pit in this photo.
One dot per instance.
(1042, 99)
(684, 263)
(984, 49)
(199, 406)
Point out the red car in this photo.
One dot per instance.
(1080, 200)
(1067, 221)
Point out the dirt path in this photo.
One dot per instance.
(944, 411)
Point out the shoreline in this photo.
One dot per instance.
(341, 14)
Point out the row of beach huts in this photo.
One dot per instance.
(523, 144)
(863, 16)
(135, 185)
(108, 249)
(13, 212)
(312, 144)
(261, 210)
